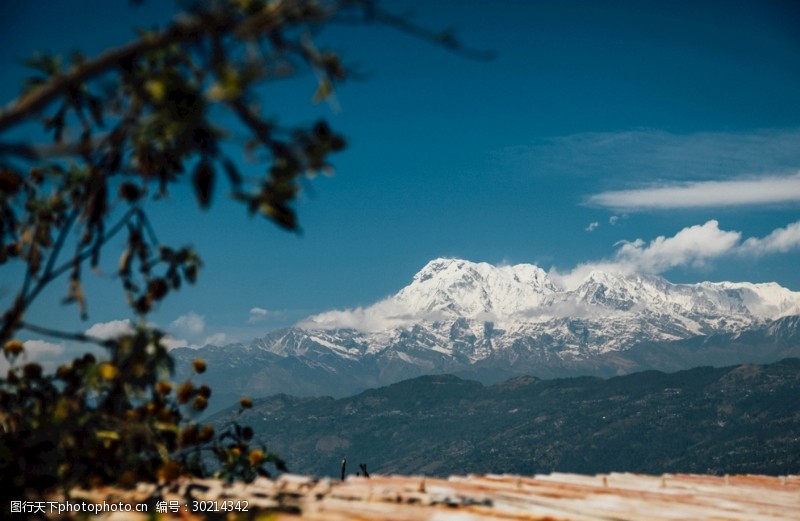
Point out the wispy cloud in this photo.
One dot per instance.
(648, 154)
(216, 339)
(257, 315)
(705, 194)
(592, 226)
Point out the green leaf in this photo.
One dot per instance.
(280, 214)
(203, 181)
(232, 172)
(10, 181)
(324, 90)
(46, 63)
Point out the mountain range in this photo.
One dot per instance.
(493, 322)
(738, 420)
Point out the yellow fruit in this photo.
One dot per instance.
(185, 392)
(170, 471)
(108, 371)
(256, 457)
(206, 433)
(199, 365)
(14, 347)
(156, 89)
(163, 387)
(200, 403)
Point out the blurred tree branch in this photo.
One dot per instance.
(126, 126)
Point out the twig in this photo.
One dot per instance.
(63, 335)
(445, 38)
(34, 102)
(62, 235)
(79, 257)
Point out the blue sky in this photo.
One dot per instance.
(659, 136)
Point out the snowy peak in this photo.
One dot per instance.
(468, 289)
(456, 315)
(618, 292)
(606, 311)
(767, 300)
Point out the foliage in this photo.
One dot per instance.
(113, 422)
(126, 127)
(138, 119)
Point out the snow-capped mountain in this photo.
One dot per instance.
(457, 315)
(477, 310)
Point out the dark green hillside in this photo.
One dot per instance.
(742, 419)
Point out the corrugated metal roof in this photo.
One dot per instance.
(567, 497)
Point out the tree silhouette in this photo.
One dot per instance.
(127, 126)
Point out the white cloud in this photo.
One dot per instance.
(51, 355)
(114, 328)
(705, 194)
(257, 315)
(613, 220)
(170, 342)
(386, 314)
(41, 349)
(781, 240)
(216, 339)
(568, 309)
(111, 329)
(692, 246)
(592, 226)
(47, 354)
(191, 324)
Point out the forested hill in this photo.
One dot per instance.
(741, 419)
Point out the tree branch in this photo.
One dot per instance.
(195, 28)
(79, 257)
(49, 150)
(63, 335)
(183, 30)
(446, 39)
(62, 235)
